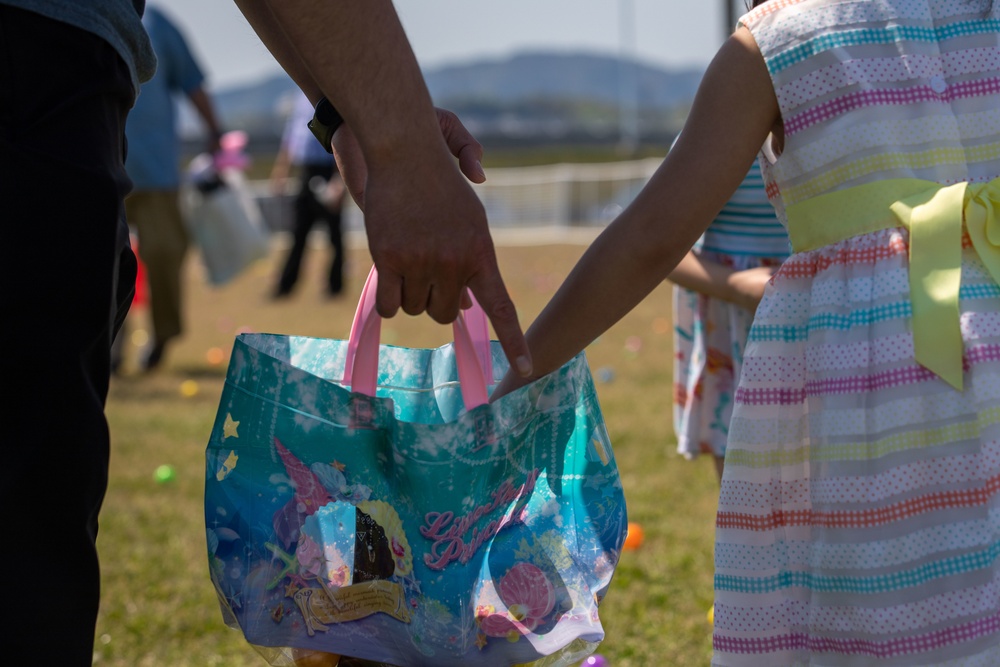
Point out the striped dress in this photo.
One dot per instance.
(710, 334)
(859, 513)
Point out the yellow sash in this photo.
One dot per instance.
(933, 213)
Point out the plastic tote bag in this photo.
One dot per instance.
(225, 221)
(367, 501)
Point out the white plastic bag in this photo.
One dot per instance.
(225, 222)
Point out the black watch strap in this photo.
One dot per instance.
(324, 123)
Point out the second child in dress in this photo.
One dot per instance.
(717, 288)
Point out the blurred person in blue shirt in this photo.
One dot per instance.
(153, 163)
(319, 196)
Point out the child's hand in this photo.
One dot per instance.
(510, 382)
(748, 286)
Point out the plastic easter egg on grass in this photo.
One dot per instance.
(605, 374)
(189, 388)
(164, 473)
(634, 537)
(215, 356)
(711, 615)
(139, 337)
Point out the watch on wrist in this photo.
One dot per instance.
(324, 123)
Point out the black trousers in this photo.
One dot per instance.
(308, 210)
(67, 276)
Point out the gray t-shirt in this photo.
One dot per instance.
(118, 22)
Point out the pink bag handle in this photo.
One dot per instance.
(479, 330)
(472, 350)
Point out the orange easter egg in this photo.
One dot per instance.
(634, 537)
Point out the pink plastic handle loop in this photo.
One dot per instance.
(471, 334)
(366, 306)
(479, 331)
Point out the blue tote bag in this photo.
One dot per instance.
(368, 501)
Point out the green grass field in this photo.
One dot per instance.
(158, 604)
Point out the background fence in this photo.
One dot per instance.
(559, 195)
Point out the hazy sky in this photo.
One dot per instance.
(665, 32)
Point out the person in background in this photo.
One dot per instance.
(717, 287)
(427, 229)
(69, 72)
(319, 196)
(857, 521)
(153, 163)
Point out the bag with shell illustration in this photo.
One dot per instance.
(367, 501)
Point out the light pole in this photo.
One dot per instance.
(628, 103)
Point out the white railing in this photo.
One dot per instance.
(559, 195)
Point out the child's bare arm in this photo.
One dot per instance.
(733, 113)
(742, 287)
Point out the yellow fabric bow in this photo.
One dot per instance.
(933, 213)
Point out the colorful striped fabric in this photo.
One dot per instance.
(859, 513)
(710, 334)
(746, 225)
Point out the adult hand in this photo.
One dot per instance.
(461, 143)
(426, 228)
(351, 163)
(427, 231)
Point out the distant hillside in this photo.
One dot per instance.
(572, 76)
(569, 95)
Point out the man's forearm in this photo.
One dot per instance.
(258, 14)
(358, 56)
